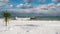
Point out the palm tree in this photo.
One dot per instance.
(6, 16)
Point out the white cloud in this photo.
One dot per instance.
(9, 6)
(20, 6)
(27, 1)
(58, 7)
(55, 0)
(42, 1)
(3, 2)
(41, 9)
(26, 5)
(58, 4)
(45, 6)
(52, 9)
(51, 5)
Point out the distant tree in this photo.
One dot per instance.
(6, 15)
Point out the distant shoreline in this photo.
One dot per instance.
(39, 17)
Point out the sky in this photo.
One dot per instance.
(49, 7)
(14, 3)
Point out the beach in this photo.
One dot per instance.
(30, 27)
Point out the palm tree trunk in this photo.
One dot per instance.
(6, 24)
(6, 21)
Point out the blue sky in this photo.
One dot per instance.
(48, 7)
(33, 2)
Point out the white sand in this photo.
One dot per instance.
(44, 27)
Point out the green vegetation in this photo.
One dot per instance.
(6, 15)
